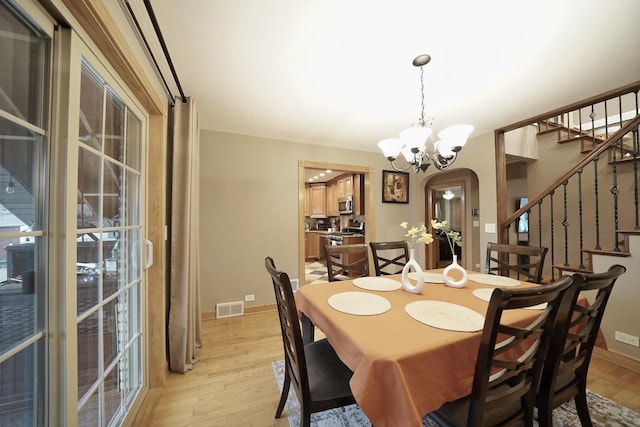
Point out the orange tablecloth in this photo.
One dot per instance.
(402, 368)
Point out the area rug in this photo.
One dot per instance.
(604, 412)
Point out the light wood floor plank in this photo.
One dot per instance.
(233, 383)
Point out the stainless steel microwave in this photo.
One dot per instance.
(345, 205)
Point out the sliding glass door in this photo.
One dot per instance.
(72, 165)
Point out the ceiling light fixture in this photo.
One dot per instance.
(10, 188)
(417, 144)
(448, 195)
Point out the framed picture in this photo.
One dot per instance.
(395, 187)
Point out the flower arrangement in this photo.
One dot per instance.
(417, 234)
(422, 235)
(453, 237)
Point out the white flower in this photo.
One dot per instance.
(417, 234)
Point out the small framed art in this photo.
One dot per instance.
(395, 187)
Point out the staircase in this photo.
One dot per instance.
(592, 206)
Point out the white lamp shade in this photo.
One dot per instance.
(407, 153)
(456, 135)
(415, 136)
(391, 147)
(445, 148)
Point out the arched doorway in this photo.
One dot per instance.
(452, 196)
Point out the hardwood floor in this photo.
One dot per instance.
(233, 383)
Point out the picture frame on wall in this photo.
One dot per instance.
(395, 187)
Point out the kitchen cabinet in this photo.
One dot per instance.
(351, 258)
(323, 239)
(306, 200)
(345, 186)
(332, 199)
(311, 245)
(358, 194)
(318, 201)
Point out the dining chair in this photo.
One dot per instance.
(517, 261)
(346, 262)
(389, 257)
(510, 358)
(565, 371)
(318, 376)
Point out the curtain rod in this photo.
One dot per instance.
(156, 27)
(146, 43)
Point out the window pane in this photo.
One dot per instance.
(21, 172)
(89, 168)
(112, 192)
(87, 353)
(88, 270)
(134, 135)
(89, 414)
(22, 380)
(23, 69)
(114, 127)
(113, 397)
(91, 102)
(110, 331)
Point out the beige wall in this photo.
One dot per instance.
(249, 207)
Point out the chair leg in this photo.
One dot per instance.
(305, 418)
(545, 415)
(285, 393)
(582, 408)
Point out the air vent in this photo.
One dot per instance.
(229, 309)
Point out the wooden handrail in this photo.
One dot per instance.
(629, 126)
(632, 87)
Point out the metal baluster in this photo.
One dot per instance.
(596, 201)
(565, 224)
(551, 223)
(635, 176)
(580, 218)
(593, 127)
(540, 223)
(615, 189)
(635, 167)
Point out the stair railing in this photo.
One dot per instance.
(622, 145)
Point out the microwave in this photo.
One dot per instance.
(345, 205)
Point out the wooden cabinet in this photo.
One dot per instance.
(323, 240)
(332, 199)
(311, 245)
(351, 258)
(358, 194)
(345, 186)
(317, 201)
(306, 200)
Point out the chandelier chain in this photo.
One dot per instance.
(422, 92)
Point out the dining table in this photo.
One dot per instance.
(409, 352)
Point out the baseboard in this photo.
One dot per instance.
(617, 358)
(211, 315)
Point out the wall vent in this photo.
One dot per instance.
(295, 284)
(229, 309)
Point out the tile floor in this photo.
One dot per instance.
(315, 272)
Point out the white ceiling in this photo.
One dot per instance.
(339, 72)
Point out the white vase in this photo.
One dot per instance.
(406, 283)
(451, 267)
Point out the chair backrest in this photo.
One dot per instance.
(510, 357)
(517, 261)
(389, 257)
(565, 371)
(295, 362)
(346, 262)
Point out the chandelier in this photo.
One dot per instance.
(417, 144)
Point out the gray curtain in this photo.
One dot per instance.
(184, 305)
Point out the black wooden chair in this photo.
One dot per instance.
(319, 378)
(565, 371)
(517, 261)
(389, 257)
(510, 359)
(347, 262)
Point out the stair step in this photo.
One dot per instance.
(572, 268)
(610, 252)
